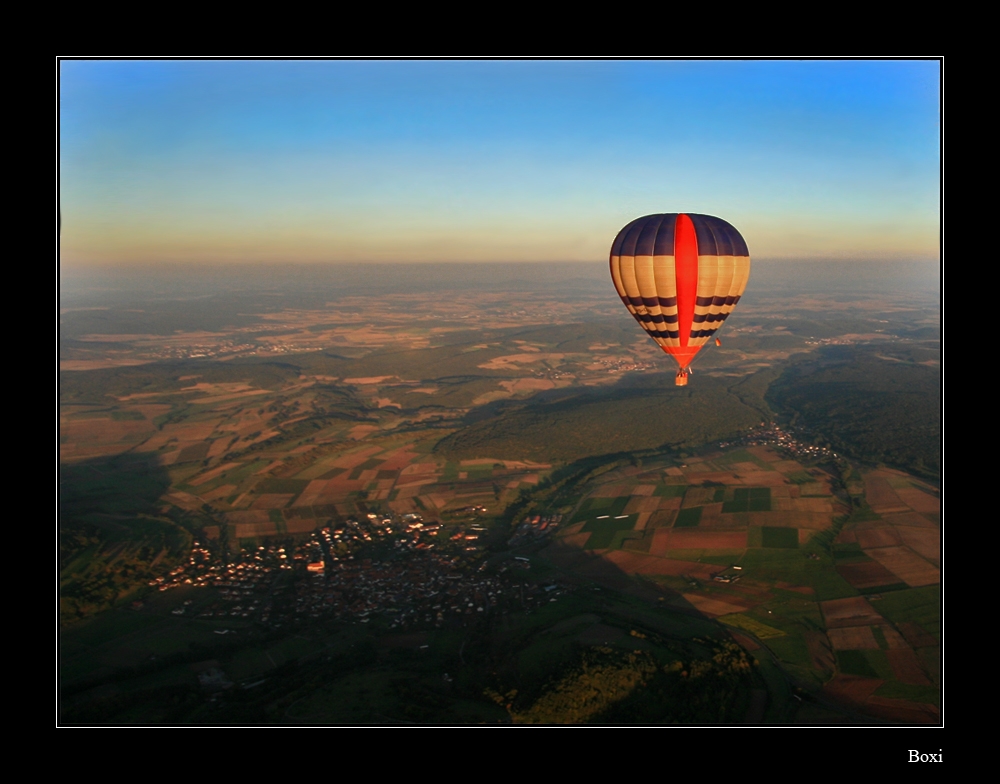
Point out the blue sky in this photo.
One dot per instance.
(352, 161)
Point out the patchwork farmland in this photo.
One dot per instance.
(828, 584)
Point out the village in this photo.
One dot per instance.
(774, 435)
(381, 566)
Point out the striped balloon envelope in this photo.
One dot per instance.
(680, 275)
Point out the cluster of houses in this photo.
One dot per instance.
(408, 582)
(534, 527)
(773, 435)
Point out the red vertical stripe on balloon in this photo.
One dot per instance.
(686, 264)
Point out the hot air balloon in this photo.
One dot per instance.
(680, 275)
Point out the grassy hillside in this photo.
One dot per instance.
(649, 413)
(873, 404)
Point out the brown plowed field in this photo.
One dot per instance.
(711, 606)
(661, 519)
(644, 490)
(907, 565)
(787, 466)
(926, 542)
(300, 525)
(692, 539)
(812, 520)
(711, 516)
(903, 711)
(672, 504)
(723, 477)
(612, 491)
(639, 563)
(208, 476)
(272, 501)
(575, 540)
(820, 651)
(219, 447)
(880, 495)
(641, 504)
(919, 501)
(852, 611)
(416, 480)
(220, 492)
(916, 636)
(743, 641)
(851, 688)
(893, 638)
(762, 479)
(807, 590)
(911, 519)
(765, 453)
(249, 530)
(185, 500)
(247, 517)
(196, 432)
(883, 536)
(698, 496)
(906, 667)
(866, 575)
(813, 505)
(852, 638)
(413, 468)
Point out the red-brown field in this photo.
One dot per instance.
(916, 636)
(852, 611)
(640, 563)
(712, 606)
(300, 525)
(881, 536)
(812, 505)
(907, 565)
(612, 491)
(665, 539)
(765, 453)
(866, 575)
(641, 504)
(902, 711)
(222, 491)
(272, 501)
(852, 638)
(880, 495)
(918, 500)
(926, 542)
(813, 520)
(906, 667)
(910, 519)
(247, 517)
(251, 530)
(851, 688)
(744, 642)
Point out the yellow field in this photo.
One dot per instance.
(760, 630)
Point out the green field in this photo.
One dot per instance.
(593, 507)
(688, 518)
(749, 499)
(785, 538)
(603, 532)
